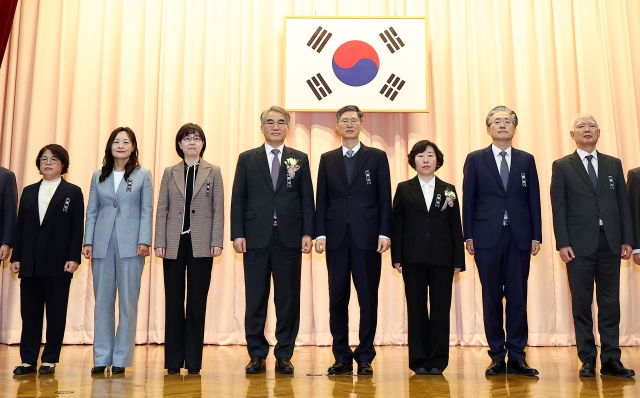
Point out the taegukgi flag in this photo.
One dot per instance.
(379, 64)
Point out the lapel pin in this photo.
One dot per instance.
(66, 205)
(524, 179)
(129, 183)
(438, 199)
(367, 175)
(611, 182)
(208, 189)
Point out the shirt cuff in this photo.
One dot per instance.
(385, 237)
(636, 251)
(321, 237)
(538, 242)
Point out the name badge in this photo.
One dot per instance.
(438, 197)
(208, 189)
(288, 181)
(67, 201)
(611, 183)
(524, 179)
(129, 184)
(367, 175)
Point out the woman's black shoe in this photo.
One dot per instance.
(117, 370)
(23, 370)
(173, 371)
(98, 370)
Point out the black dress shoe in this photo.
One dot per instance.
(521, 368)
(588, 368)
(613, 367)
(46, 370)
(365, 369)
(435, 371)
(23, 370)
(497, 367)
(117, 370)
(173, 371)
(98, 370)
(256, 365)
(284, 366)
(194, 371)
(422, 371)
(340, 368)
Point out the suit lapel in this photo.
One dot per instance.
(58, 195)
(491, 163)
(576, 162)
(416, 192)
(203, 173)
(516, 159)
(263, 164)
(339, 162)
(438, 190)
(286, 154)
(363, 155)
(178, 176)
(603, 162)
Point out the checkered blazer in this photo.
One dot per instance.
(207, 210)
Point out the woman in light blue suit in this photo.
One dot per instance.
(117, 238)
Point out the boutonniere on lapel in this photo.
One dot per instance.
(449, 198)
(129, 183)
(292, 167)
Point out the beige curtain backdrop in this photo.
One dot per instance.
(76, 69)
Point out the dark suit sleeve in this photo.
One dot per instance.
(633, 187)
(306, 196)
(469, 193)
(396, 227)
(77, 228)
(238, 200)
(535, 214)
(16, 254)
(384, 195)
(456, 231)
(9, 207)
(623, 207)
(321, 200)
(559, 206)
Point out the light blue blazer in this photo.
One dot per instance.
(129, 210)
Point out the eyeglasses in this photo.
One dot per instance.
(505, 123)
(195, 139)
(346, 122)
(52, 160)
(273, 123)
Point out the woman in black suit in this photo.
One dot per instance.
(46, 252)
(428, 250)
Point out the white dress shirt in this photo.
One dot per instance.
(583, 156)
(427, 190)
(45, 193)
(117, 177)
(498, 157)
(268, 148)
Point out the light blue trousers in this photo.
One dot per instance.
(110, 274)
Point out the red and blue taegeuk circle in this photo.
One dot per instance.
(355, 63)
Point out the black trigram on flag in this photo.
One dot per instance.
(319, 87)
(392, 87)
(319, 39)
(391, 39)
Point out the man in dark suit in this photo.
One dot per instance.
(592, 225)
(633, 186)
(503, 228)
(353, 224)
(272, 224)
(8, 210)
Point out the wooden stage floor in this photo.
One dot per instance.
(223, 376)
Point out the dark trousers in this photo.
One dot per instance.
(428, 332)
(184, 330)
(603, 267)
(35, 293)
(504, 271)
(346, 262)
(284, 264)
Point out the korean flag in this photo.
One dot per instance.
(379, 64)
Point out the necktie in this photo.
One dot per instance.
(275, 167)
(350, 153)
(504, 170)
(591, 171)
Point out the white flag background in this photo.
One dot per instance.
(397, 82)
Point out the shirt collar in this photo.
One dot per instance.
(186, 166)
(355, 149)
(431, 183)
(583, 154)
(496, 151)
(56, 181)
(269, 148)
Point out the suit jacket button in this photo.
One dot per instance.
(115, 204)
(427, 233)
(193, 211)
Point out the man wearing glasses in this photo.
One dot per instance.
(353, 222)
(272, 225)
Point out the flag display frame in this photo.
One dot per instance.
(316, 85)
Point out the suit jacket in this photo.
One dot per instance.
(577, 205)
(633, 186)
(43, 250)
(129, 210)
(207, 210)
(485, 199)
(422, 236)
(8, 205)
(366, 202)
(253, 199)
